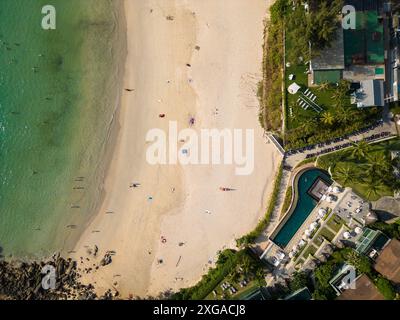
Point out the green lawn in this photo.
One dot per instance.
(310, 250)
(324, 98)
(335, 222)
(328, 235)
(225, 294)
(243, 292)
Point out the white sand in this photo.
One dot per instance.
(224, 74)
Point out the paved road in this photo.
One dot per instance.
(295, 159)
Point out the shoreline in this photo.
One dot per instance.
(159, 50)
(112, 130)
(64, 136)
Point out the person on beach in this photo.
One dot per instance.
(134, 185)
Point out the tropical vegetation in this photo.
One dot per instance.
(367, 169)
(231, 266)
(253, 235)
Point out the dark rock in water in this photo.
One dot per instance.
(23, 280)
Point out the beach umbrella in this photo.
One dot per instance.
(276, 262)
(347, 235)
(291, 254)
(307, 233)
(313, 226)
(358, 230)
(322, 212)
(293, 88)
(328, 249)
(280, 255)
(336, 190)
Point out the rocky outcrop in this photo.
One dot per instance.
(23, 281)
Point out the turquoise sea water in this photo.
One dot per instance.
(305, 205)
(58, 94)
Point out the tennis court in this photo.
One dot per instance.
(364, 45)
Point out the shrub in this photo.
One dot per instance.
(385, 287)
(252, 236)
(227, 260)
(288, 199)
(299, 280)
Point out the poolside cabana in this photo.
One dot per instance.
(294, 88)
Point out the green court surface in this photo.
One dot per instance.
(365, 43)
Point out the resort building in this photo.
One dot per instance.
(395, 67)
(371, 242)
(356, 55)
(364, 289)
(302, 294)
(328, 66)
(322, 216)
(257, 294)
(343, 279)
(395, 59)
(388, 262)
(370, 94)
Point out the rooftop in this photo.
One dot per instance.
(364, 45)
(370, 94)
(388, 262)
(331, 58)
(364, 290)
(301, 294)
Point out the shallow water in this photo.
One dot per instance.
(58, 94)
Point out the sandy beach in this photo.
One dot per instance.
(186, 58)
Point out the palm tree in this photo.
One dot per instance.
(344, 115)
(373, 188)
(309, 126)
(338, 95)
(360, 150)
(344, 174)
(339, 105)
(328, 118)
(324, 86)
(246, 265)
(329, 161)
(378, 164)
(344, 86)
(326, 31)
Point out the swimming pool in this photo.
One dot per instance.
(304, 206)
